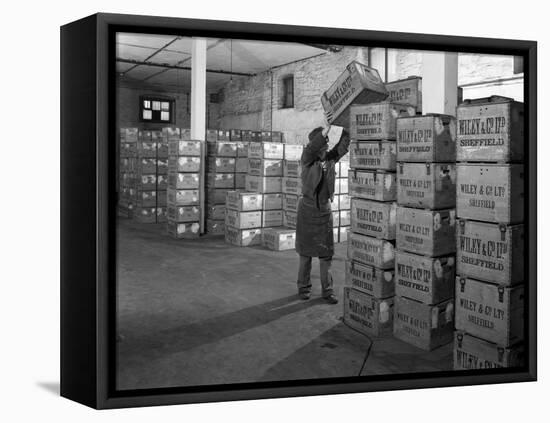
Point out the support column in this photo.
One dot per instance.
(198, 110)
(377, 60)
(439, 82)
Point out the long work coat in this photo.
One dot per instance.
(314, 231)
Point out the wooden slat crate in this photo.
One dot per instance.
(224, 135)
(169, 134)
(147, 182)
(244, 201)
(279, 239)
(490, 252)
(144, 135)
(242, 149)
(182, 214)
(370, 280)
(292, 186)
(216, 195)
(490, 130)
(426, 232)
(146, 149)
(184, 148)
(264, 185)
(183, 230)
(215, 227)
(429, 138)
(367, 314)
(272, 201)
(235, 135)
(372, 251)
(266, 150)
(240, 181)
(372, 185)
(146, 214)
(471, 353)
(162, 215)
(246, 135)
(243, 220)
(212, 135)
(265, 167)
(426, 185)
(289, 219)
(422, 325)
(358, 84)
(293, 152)
(277, 136)
(490, 192)
(406, 91)
(373, 155)
(241, 165)
(216, 212)
(128, 134)
(377, 121)
(272, 218)
(221, 164)
(182, 197)
(183, 180)
(489, 311)
(292, 169)
(290, 202)
(243, 237)
(184, 164)
(425, 279)
(220, 180)
(222, 149)
(373, 218)
(146, 198)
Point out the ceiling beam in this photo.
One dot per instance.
(154, 53)
(168, 66)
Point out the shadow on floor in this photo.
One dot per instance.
(51, 387)
(187, 337)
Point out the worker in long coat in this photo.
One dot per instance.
(314, 229)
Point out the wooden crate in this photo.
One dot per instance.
(128, 134)
(292, 186)
(377, 121)
(370, 280)
(471, 353)
(146, 214)
(243, 220)
(184, 164)
(235, 135)
(264, 185)
(241, 165)
(272, 218)
(147, 182)
(289, 219)
(426, 232)
(372, 251)
(279, 239)
(406, 91)
(266, 150)
(490, 192)
(216, 195)
(215, 227)
(162, 199)
(240, 181)
(182, 197)
(162, 182)
(146, 165)
(144, 135)
(146, 198)
(374, 155)
(221, 164)
(246, 135)
(243, 237)
(183, 180)
(162, 166)
(183, 230)
(242, 149)
(489, 311)
(367, 314)
(161, 215)
(185, 133)
(426, 185)
(147, 149)
(220, 180)
(425, 279)
(224, 135)
(290, 202)
(292, 169)
(422, 325)
(265, 167)
(429, 138)
(162, 150)
(490, 252)
(358, 84)
(182, 214)
(373, 218)
(222, 149)
(276, 136)
(372, 185)
(244, 201)
(293, 151)
(216, 212)
(490, 130)
(184, 148)
(169, 133)
(212, 135)
(272, 201)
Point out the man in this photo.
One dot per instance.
(314, 232)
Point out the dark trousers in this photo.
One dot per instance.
(304, 275)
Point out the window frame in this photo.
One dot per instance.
(285, 95)
(155, 98)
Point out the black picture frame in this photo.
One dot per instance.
(88, 212)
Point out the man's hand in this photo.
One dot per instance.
(326, 125)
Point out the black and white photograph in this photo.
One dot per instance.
(292, 211)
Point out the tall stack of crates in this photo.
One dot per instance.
(490, 234)
(369, 294)
(426, 225)
(220, 178)
(292, 183)
(184, 186)
(341, 203)
(126, 175)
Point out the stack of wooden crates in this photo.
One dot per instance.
(426, 222)
(126, 179)
(490, 234)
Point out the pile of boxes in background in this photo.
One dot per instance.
(184, 186)
(426, 223)
(490, 234)
(126, 167)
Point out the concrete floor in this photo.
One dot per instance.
(200, 312)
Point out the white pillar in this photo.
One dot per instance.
(198, 109)
(378, 61)
(391, 61)
(439, 82)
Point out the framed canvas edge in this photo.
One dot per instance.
(104, 221)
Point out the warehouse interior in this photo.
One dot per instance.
(203, 311)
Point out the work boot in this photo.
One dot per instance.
(304, 295)
(331, 299)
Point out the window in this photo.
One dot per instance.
(518, 64)
(156, 110)
(288, 92)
